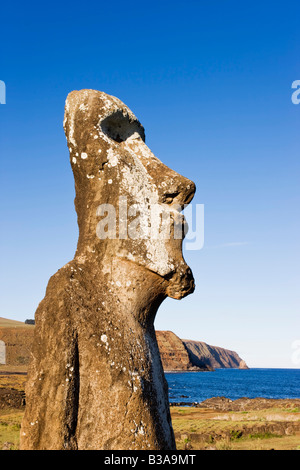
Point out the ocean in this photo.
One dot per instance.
(194, 387)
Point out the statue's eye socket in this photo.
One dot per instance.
(119, 127)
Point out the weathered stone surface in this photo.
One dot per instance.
(96, 380)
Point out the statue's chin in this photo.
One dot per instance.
(180, 284)
(179, 280)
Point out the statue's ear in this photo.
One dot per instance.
(120, 127)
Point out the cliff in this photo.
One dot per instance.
(177, 354)
(173, 353)
(202, 354)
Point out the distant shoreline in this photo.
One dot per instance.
(232, 368)
(242, 404)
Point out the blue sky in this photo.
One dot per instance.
(211, 83)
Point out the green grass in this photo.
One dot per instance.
(10, 424)
(235, 434)
(263, 435)
(212, 429)
(220, 434)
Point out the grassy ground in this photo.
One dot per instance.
(195, 428)
(10, 424)
(199, 429)
(6, 323)
(4, 369)
(10, 419)
(13, 381)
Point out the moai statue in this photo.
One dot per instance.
(96, 380)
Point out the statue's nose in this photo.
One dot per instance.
(178, 190)
(173, 188)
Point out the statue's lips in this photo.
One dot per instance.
(159, 248)
(181, 220)
(178, 224)
(180, 277)
(178, 286)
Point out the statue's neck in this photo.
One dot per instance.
(134, 290)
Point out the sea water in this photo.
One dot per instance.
(233, 383)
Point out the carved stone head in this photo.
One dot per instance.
(129, 202)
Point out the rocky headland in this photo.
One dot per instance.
(187, 355)
(176, 354)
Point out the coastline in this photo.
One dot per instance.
(217, 423)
